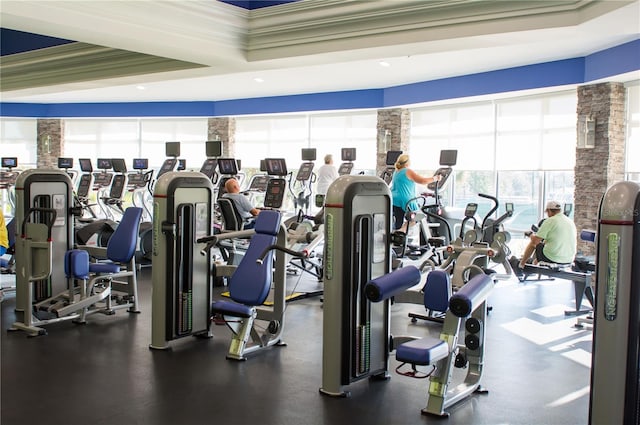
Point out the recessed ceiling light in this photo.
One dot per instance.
(384, 63)
(140, 87)
(258, 80)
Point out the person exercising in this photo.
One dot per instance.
(554, 242)
(403, 189)
(244, 207)
(326, 175)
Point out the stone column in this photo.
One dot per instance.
(393, 134)
(223, 129)
(50, 143)
(600, 166)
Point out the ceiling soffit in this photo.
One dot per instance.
(322, 26)
(78, 62)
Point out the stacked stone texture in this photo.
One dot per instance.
(599, 167)
(50, 143)
(397, 122)
(225, 129)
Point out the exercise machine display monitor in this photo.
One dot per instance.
(348, 155)
(392, 157)
(309, 154)
(104, 164)
(140, 163)
(228, 166)
(182, 165)
(65, 162)
(119, 166)
(9, 162)
(213, 148)
(85, 165)
(276, 166)
(304, 172)
(209, 167)
(172, 149)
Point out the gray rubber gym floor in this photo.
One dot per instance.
(536, 370)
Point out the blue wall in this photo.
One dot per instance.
(600, 65)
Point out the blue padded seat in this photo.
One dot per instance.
(76, 264)
(230, 308)
(104, 268)
(437, 290)
(250, 284)
(423, 351)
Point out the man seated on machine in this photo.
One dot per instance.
(244, 207)
(554, 242)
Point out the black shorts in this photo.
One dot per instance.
(540, 254)
(398, 217)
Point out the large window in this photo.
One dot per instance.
(136, 138)
(18, 138)
(520, 150)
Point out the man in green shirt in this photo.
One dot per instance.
(555, 240)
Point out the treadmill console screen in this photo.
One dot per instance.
(304, 172)
(9, 162)
(65, 162)
(104, 164)
(348, 154)
(140, 163)
(228, 166)
(85, 165)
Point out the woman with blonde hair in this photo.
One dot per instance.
(403, 189)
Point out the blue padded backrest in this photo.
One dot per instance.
(251, 282)
(268, 222)
(122, 244)
(437, 290)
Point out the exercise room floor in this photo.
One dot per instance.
(536, 370)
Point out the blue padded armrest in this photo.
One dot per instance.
(437, 290)
(388, 285)
(423, 351)
(76, 264)
(463, 302)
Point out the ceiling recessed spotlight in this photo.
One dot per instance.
(258, 80)
(140, 87)
(384, 63)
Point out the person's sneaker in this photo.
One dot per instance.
(515, 265)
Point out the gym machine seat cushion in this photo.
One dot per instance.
(423, 351)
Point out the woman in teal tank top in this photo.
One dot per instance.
(403, 189)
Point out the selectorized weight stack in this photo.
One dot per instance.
(181, 299)
(615, 369)
(355, 331)
(43, 189)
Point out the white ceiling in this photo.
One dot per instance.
(315, 45)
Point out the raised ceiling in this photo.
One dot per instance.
(138, 51)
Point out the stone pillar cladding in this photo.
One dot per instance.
(223, 129)
(396, 124)
(50, 143)
(599, 167)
